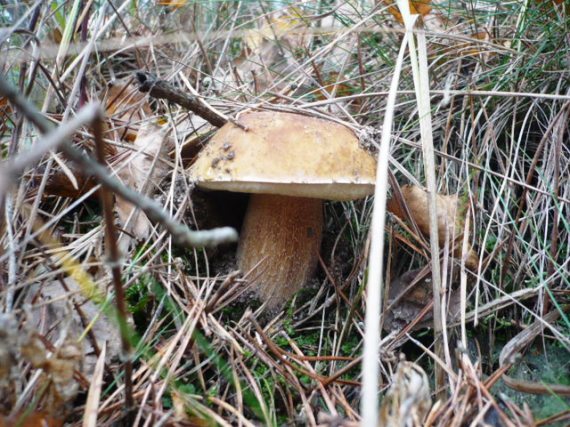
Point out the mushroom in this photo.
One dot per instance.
(290, 163)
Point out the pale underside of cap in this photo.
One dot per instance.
(287, 154)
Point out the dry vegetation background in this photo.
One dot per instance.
(149, 331)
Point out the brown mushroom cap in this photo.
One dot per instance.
(286, 154)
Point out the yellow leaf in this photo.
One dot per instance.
(274, 28)
(417, 7)
(172, 3)
(450, 217)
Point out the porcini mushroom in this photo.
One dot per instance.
(290, 163)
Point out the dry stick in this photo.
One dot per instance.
(115, 264)
(13, 168)
(523, 339)
(561, 416)
(94, 394)
(161, 89)
(154, 211)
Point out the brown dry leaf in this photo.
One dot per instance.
(56, 35)
(408, 296)
(49, 340)
(59, 184)
(142, 170)
(407, 401)
(126, 107)
(5, 113)
(58, 368)
(269, 51)
(64, 319)
(34, 419)
(475, 48)
(61, 367)
(450, 217)
(175, 4)
(335, 83)
(432, 20)
(33, 351)
(417, 7)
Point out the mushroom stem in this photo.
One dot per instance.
(280, 239)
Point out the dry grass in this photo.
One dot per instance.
(201, 352)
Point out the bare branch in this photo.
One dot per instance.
(181, 234)
(161, 89)
(13, 168)
(114, 258)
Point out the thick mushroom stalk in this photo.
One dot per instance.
(279, 244)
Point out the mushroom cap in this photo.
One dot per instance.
(286, 154)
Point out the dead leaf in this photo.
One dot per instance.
(57, 366)
(64, 319)
(33, 419)
(451, 212)
(475, 48)
(269, 52)
(417, 7)
(142, 170)
(432, 20)
(126, 108)
(56, 35)
(5, 113)
(58, 183)
(408, 296)
(407, 401)
(33, 350)
(53, 340)
(175, 4)
(60, 369)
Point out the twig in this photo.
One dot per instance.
(181, 234)
(524, 338)
(13, 168)
(94, 394)
(114, 260)
(161, 89)
(154, 211)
